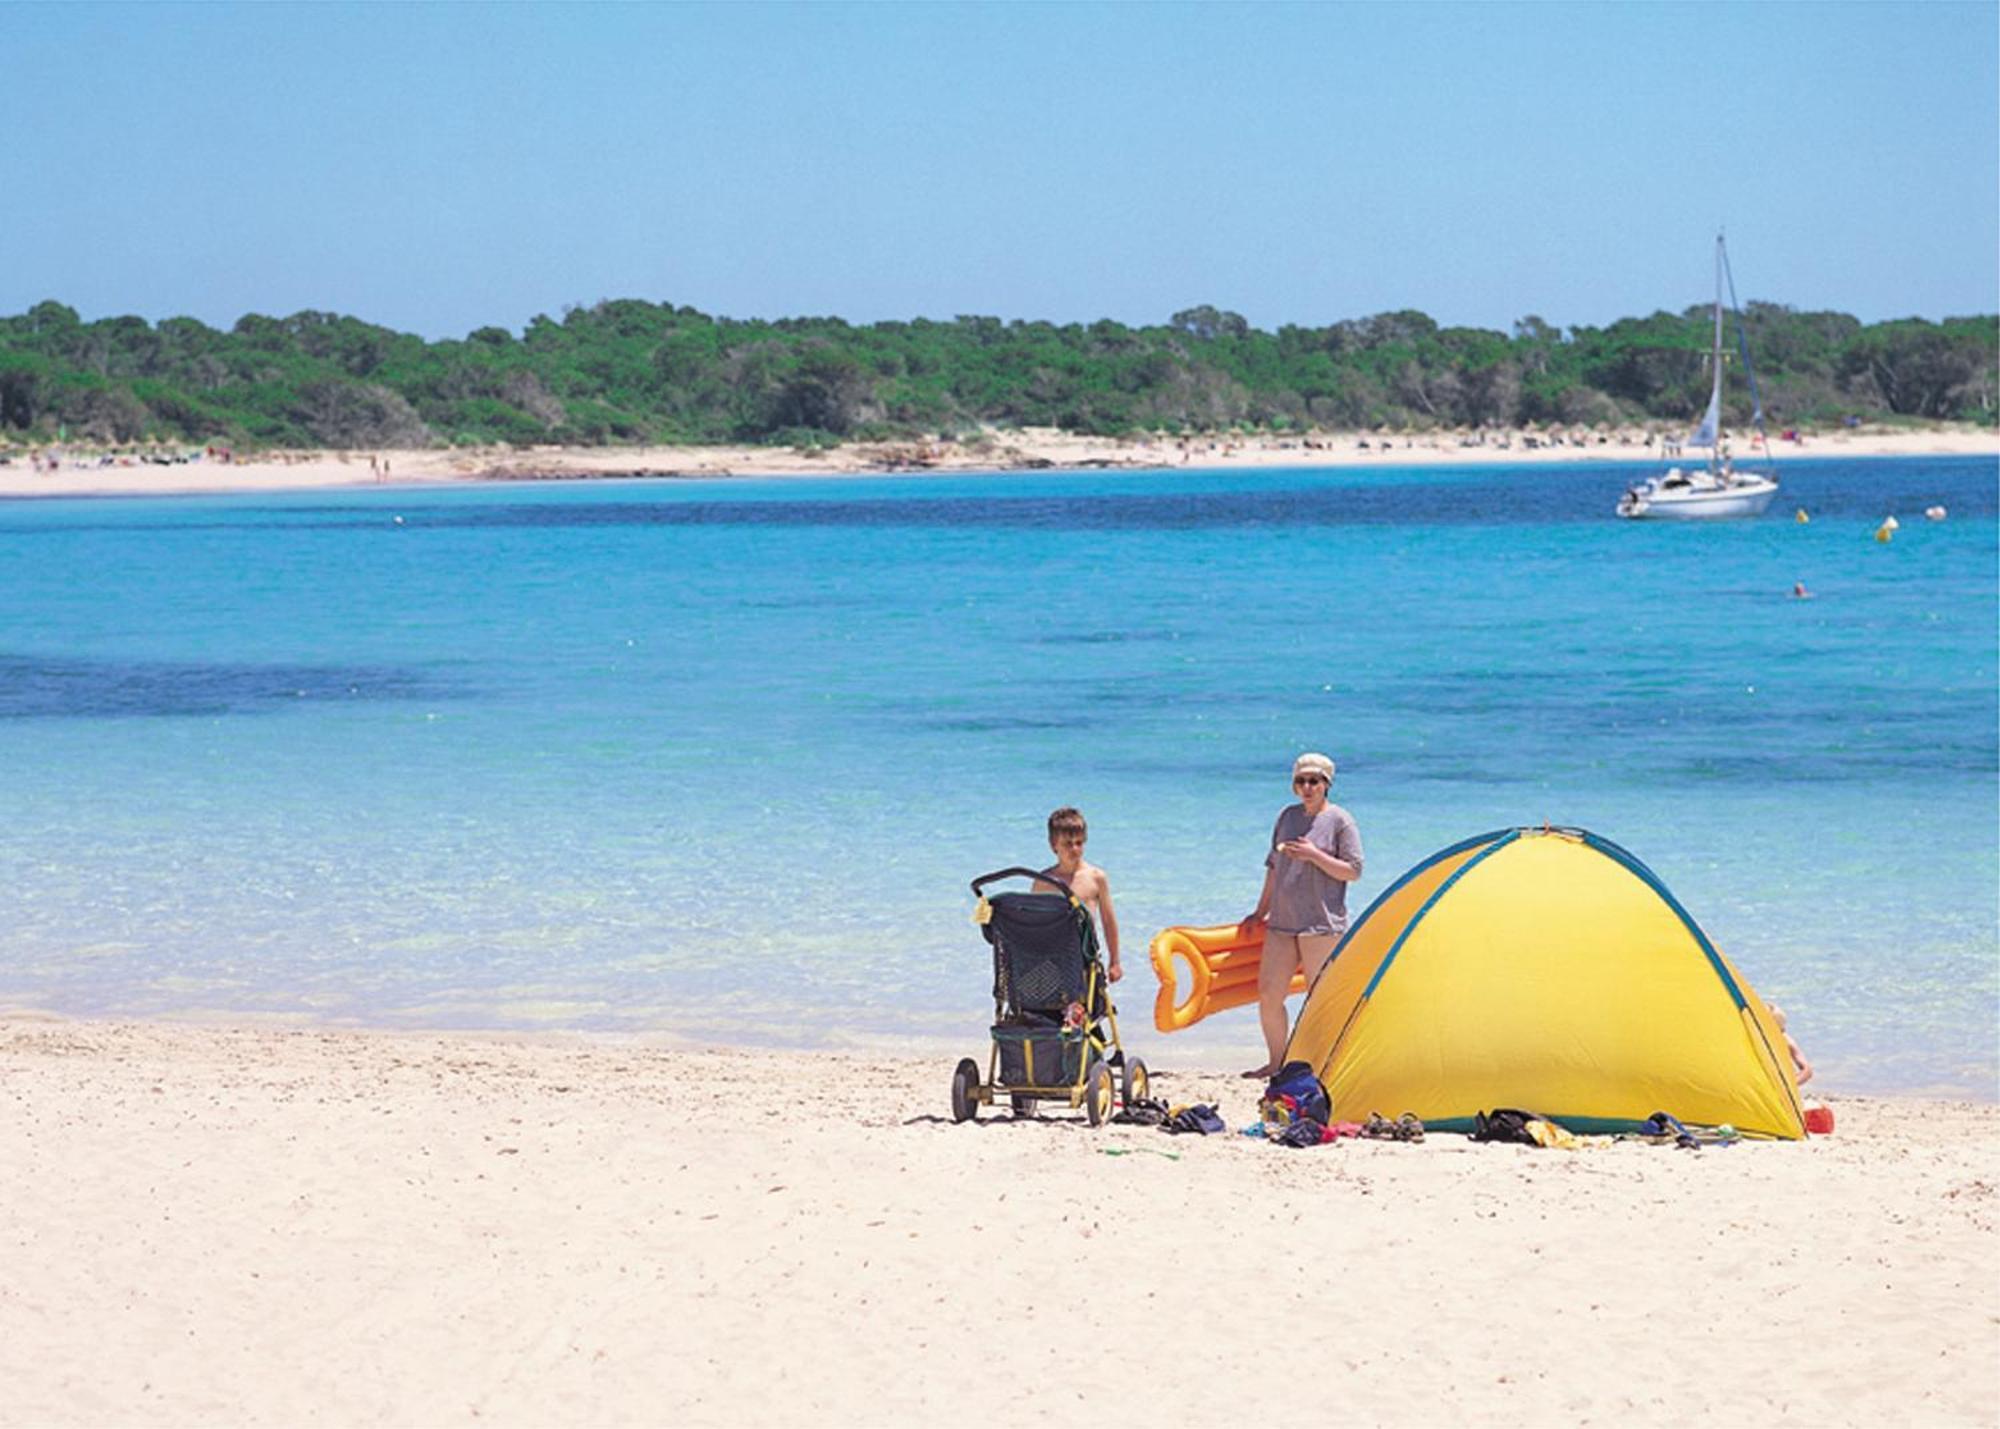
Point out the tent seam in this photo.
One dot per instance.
(1389, 958)
(1380, 899)
(1633, 864)
(1333, 1050)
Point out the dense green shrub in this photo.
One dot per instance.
(629, 371)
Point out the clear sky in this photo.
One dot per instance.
(440, 168)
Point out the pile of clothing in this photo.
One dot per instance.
(1528, 1128)
(1199, 1119)
(1296, 1111)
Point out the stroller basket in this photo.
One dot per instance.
(1038, 1056)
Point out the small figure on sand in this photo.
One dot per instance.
(1090, 884)
(1315, 853)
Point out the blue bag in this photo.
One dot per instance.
(1308, 1099)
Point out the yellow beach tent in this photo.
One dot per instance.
(1547, 970)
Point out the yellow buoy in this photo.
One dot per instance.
(1800, 516)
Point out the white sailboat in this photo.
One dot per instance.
(1718, 489)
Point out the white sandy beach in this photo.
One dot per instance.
(85, 472)
(247, 1227)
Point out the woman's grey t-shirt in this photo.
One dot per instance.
(1305, 898)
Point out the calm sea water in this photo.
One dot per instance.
(719, 758)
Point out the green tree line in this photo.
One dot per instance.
(630, 371)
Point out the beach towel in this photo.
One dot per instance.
(1548, 1134)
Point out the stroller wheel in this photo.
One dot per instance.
(1024, 1107)
(965, 1090)
(1137, 1084)
(1097, 1092)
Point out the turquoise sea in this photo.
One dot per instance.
(718, 758)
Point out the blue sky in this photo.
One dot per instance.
(439, 168)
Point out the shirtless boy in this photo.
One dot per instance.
(1086, 880)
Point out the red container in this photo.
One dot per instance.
(1819, 1119)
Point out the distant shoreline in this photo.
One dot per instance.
(86, 471)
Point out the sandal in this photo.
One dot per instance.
(1409, 1128)
(1378, 1127)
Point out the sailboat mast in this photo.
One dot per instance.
(1715, 361)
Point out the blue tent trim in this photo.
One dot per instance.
(1652, 881)
(1386, 894)
(1495, 837)
(1359, 923)
(1417, 918)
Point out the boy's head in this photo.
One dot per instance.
(1067, 831)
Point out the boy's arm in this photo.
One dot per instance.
(1110, 920)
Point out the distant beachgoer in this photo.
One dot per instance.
(1799, 591)
(1315, 853)
(1801, 1068)
(1089, 883)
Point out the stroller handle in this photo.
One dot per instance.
(979, 883)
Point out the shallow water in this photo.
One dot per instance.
(719, 757)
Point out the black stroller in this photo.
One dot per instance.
(1055, 1032)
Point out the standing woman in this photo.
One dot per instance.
(1315, 854)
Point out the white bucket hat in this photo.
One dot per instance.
(1313, 764)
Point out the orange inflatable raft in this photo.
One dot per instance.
(1222, 965)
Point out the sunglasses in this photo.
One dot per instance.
(1305, 781)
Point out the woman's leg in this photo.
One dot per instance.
(1274, 978)
(1314, 950)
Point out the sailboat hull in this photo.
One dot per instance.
(1721, 492)
(1745, 498)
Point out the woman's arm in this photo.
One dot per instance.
(1344, 863)
(1319, 858)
